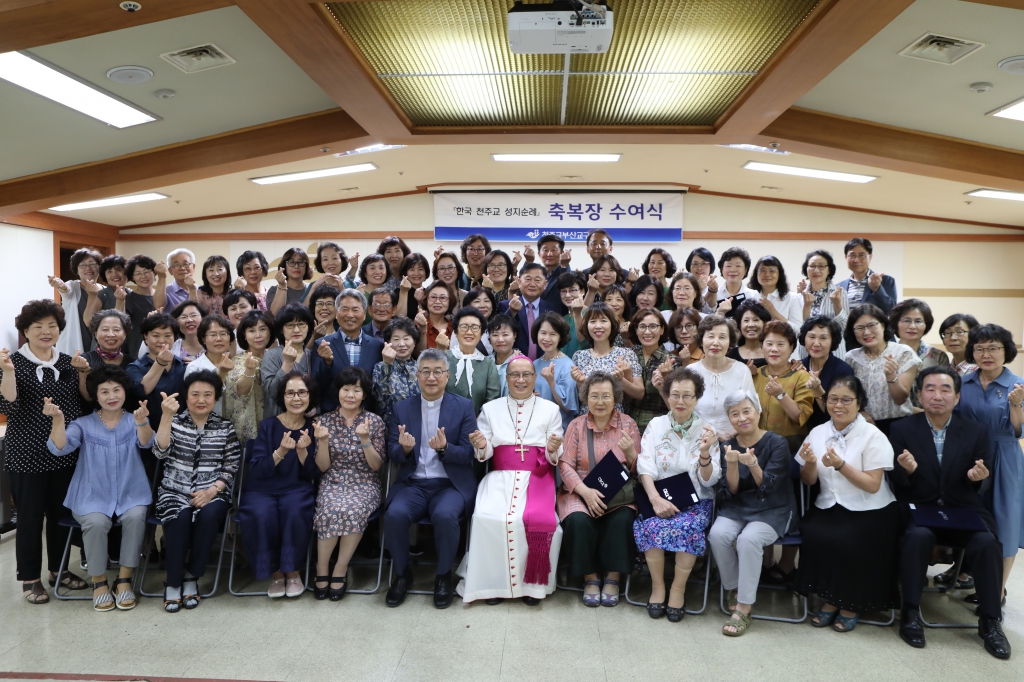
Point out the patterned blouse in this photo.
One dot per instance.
(652, 404)
(574, 464)
(244, 411)
(394, 383)
(195, 459)
(872, 374)
(586, 361)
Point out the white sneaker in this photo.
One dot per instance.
(277, 589)
(294, 588)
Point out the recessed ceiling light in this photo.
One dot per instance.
(808, 172)
(113, 201)
(755, 148)
(565, 158)
(309, 175)
(1014, 110)
(371, 148)
(996, 194)
(32, 73)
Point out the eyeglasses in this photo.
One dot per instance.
(694, 264)
(861, 328)
(475, 249)
(516, 376)
(443, 298)
(648, 327)
(436, 373)
(834, 400)
(469, 327)
(446, 268)
(954, 334)
(688, 327)
(685, 397)
(817, 267)
(294, 326)
(383, 305)
(296, 263)
(601, 396)
(856, 256)
(915, 321)
(769, 270)
(988, 350)
(190, 316)
(324, 305)
(573, 292)
(217, 335)
(176, 266)
(250, 269)
(301, 393)
(497, 266)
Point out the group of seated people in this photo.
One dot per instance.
(492, 393)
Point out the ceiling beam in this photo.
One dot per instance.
(63, 223)
(1009, 4)
(25, 24)
(833, 31)
(908, 151)
(292, 139)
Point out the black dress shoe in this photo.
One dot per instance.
(991, 632)
(531, 601)
(400, 588)
(675, 615)
(911, 630)
(655, 609)
(443, 593)
(494, 602)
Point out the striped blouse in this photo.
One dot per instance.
(195, 459)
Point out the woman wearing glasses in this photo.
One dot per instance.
(701, 263)
(648, 333)
(277, 500)
(821, 296)
(475, 249)
(471, 374)
(912, 320)
(850, 550)
(498, 273)
(685, 344)
(252, 269)
(887, 369)
(321, 303)
(435, 322)
(292, 274)
(293, 327)
(954, 331)
(994, 396)
(448, 269)
(683, 292)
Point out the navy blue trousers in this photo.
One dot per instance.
(276, 527)
(433, 498)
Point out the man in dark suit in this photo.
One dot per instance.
(428, 437)
(943, 458)
(555, 260)
(349, 346)
(528, 306)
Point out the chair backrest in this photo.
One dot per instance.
(236, 487)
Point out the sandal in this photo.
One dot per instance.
(125, 599)
(320, 593)
(190, 601)
(103, 601)
(337, 593)
(740, 621)
(845, 624)
(823, 618)
(595, 599)
(171, 605)
(68, 580)
(609, 599)
(35, 593)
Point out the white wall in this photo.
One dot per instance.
(30, 260)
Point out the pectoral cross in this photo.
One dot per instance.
(522, 452)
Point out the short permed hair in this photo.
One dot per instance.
(37, 311)
(682, 374)
(600, 378)
(712, 321)
(100, 315)
(992, 332)
(104, 374)
(204, 376)
(314, 394)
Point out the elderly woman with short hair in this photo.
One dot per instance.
(471, 374)
(954, 332)
(141, 270)
(757, 507)
(236, 305)
(676, 443)
(820, 293)
(821, 336)
(721, 374)
(293, 328)
(394, 377)
(331, 262)
(911, 320)
(434, 321)
(110, 329)
(33, 375)
(243, 389)
(252, 269)
(74, 298)
(108, 291)
(597, 530)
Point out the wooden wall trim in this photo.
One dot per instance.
(63, 223)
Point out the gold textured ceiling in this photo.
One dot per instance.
(671, 62)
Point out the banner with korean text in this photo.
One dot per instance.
(527, 216)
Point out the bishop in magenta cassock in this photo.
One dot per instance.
(515, 536)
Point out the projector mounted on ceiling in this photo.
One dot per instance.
(561, 27)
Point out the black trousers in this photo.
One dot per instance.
(982, 549)
(599, 545)
(187, 541)
(38, 497)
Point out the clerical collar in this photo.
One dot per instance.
(433, 403)
(521, 403)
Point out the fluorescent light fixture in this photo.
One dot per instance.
(808, 172)
(1014, 110)
(32, 73)
(565, 158)
(371, 148)
(309, 175)
(996, 194)
(756, 148)
(113, 201)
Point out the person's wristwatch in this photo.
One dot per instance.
(440, 451)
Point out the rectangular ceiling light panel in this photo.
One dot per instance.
(310, 175)
(113, 201)
(32, 73)
(996, 194)
(809, 172)
(1014, 111)
(563, 158)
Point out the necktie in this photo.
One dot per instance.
(532, 350)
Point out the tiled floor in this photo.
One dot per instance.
(361, 639)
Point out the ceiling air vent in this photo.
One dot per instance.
(946, 50)
(198, 58)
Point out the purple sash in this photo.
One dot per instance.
(539, 514)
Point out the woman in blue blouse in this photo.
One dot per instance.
(394, 377)
(276, 505)
(994, 396)
(109, 482)
(555, 383)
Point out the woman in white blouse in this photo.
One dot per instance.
(769, 280)
(887, 369)
(721, 375)
(675, 443)
(849, 554)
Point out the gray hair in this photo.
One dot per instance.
(431, 354)
(98, 317)
(176, 252)
(350, 293)
(738, 397)
(600, 378)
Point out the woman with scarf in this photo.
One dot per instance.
(472, 375)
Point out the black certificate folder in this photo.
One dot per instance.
(950, 518)
(676, 489)
(607, 477)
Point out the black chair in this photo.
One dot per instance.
(72, 525)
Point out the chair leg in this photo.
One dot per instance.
(707, 585)
(380, 568)
(64, 561)
(144, 566)
(220, 559)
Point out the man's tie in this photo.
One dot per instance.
(532, 349)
